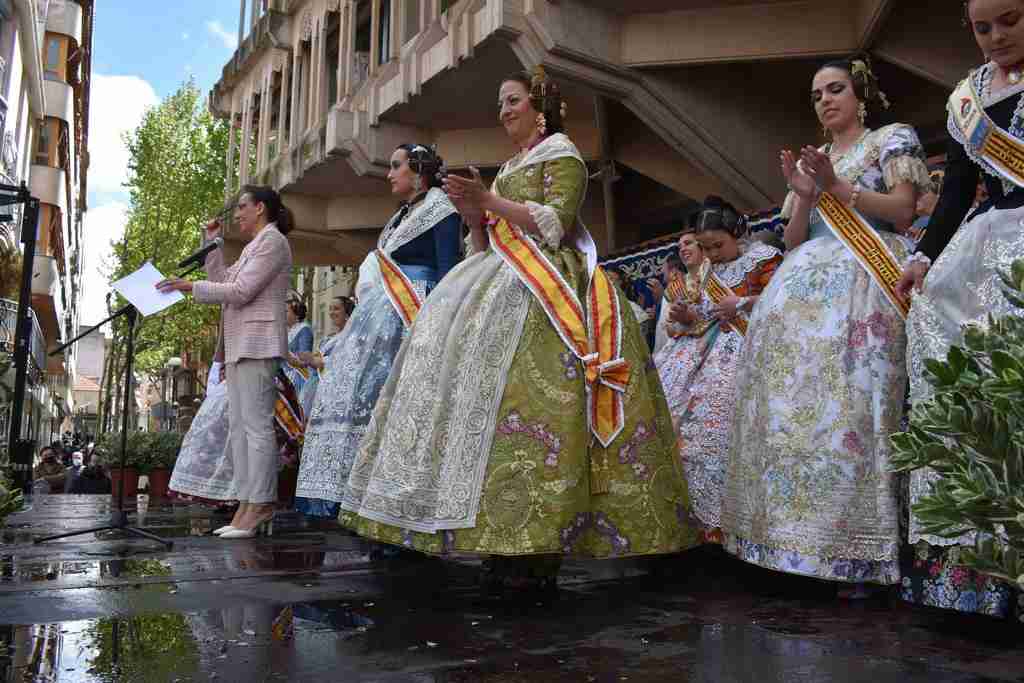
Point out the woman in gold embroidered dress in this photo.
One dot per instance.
(821, 377)
(480, 442)
(698, 363)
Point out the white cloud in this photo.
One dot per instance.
(217, 30)
(184, 36)
(117, 104)
(103, 226)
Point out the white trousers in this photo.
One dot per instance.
(253, 446)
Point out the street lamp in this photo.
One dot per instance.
(169, 367)
(21, 449)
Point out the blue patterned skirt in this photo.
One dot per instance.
(348, 389)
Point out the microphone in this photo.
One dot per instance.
(199, 256)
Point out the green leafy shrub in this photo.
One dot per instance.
(146, 450)
(11, 498)
(163, 449)
(972, 433)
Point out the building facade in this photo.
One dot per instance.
(668, 100)
(45, 48)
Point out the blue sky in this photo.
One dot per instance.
(143, 50)
(165, 42)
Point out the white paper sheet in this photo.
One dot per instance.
(140, 290)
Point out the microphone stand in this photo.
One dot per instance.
(118, 516)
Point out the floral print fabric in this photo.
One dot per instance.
(932, 577)
(698, 374)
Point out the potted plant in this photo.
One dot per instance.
(10, 498)
(972, 433)
(135, 463)
(163, 453)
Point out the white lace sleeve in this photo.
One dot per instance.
(548, 222)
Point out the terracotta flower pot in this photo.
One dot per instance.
(159, 480)
(131, 481)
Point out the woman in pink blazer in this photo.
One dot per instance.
(252, 295)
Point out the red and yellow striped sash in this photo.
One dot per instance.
(301, 369)
(594, 336)
(676, 288)
(399, 289)
(866, 245)
(717, 291)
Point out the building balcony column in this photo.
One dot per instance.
(241, 21)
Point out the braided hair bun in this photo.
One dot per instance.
(425, 161)
(717, 214)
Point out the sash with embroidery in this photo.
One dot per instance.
(717, 291)
(866, 245)
(398, 287)
(593, 335)
(1000, 149)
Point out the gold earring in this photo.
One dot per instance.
(862, 112)
(542, 124)
(417, 184)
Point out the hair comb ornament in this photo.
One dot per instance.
(862, 67)
(539, 82)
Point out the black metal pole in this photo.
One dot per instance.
(21, 450)
(125, 405)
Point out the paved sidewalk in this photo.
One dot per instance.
(311, 605)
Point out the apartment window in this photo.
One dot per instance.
(275, 136)
(333, 57)
(46, 145)
(361, 54)
(412, 20)
(6, 46)
(384, 33)
(55, 57)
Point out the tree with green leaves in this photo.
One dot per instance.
(176, 183)
(972, 433)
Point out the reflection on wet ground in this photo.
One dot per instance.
(311, 605)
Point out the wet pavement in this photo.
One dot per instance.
(319, 605)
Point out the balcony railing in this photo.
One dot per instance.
(8, 327)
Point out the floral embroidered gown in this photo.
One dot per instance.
(423, 239)
(962, 287)
(480, 442)
(820, 388)
(697, 365)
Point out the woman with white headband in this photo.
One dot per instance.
(420, 243)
